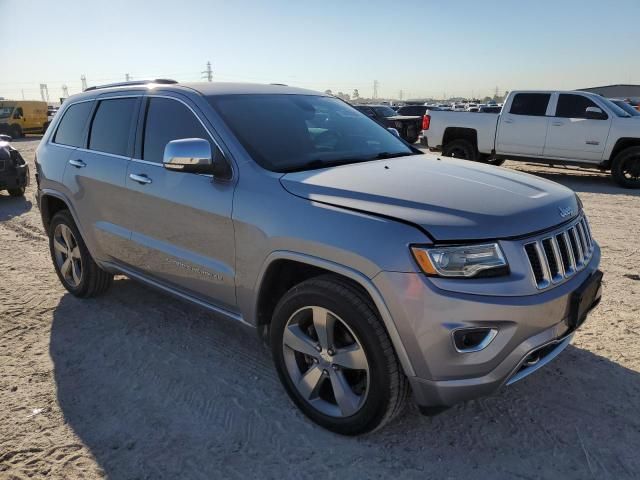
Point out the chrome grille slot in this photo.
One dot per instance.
(560, 256)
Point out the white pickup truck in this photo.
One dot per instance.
(556, 128)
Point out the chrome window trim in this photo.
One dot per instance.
(107, 96)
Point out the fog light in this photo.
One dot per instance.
(467, 340)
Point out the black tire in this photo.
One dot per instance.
(387, 384)
(17, 192)
(626, 168)
(16, 131)
(462, 149)
(412, 134)
(93, 280)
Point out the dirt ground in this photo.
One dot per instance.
(138, 385)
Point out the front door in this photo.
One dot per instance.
(523, 129)
(182, 232)
(573, 135)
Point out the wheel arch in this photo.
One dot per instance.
(620, 145)
(284, 269)
(460, 133)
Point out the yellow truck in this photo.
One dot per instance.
(19, 117)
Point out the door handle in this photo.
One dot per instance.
(77, 163)
(142, 179)
(557, 124)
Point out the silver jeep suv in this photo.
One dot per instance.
(371, 269)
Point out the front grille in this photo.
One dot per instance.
(561, 255)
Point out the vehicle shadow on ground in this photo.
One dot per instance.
(157, 388)
(11, 207)
(588, 181)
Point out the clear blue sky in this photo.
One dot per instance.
(425, 48)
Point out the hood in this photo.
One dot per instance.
(450, 199)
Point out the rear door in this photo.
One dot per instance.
(572, 135)
(522, 129)
(95, 175)
(182, 232)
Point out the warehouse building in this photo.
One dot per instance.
(616, 91)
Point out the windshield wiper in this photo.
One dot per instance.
(384, 155)
(317, 163)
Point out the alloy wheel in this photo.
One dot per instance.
(67, 255)
(631, 168)
(326, 362)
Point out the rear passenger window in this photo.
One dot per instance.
(71, 129)
(573, 106)
(112, 125)
(534, 104)
(168, 120)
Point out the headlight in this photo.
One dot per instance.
(461, 260)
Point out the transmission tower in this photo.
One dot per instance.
(65, 91)
(400, 94)
(376, 84)
(44, 92)
(127, 77)
(495, 95)
(83, 79)
(208, 73)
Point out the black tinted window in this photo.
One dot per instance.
(71, 129)
(112, 125)
(168, 120)
(410, 111)
(573, 106)
(534, 104)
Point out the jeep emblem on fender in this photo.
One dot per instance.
(565, 211)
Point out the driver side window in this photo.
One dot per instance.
(17, 114)
(573, 106)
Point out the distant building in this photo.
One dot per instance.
(616, 91)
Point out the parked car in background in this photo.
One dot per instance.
(572, 128)
(407, 126)
(458, 107)
(416, 110)
(371, 269)
(627, 107)
(19, 117)
(490, 109)
(471, 107)
(14, 171)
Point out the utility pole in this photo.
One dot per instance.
(127, 77)
(83, 79)
(376, 84)
(23, 93)
(495, 95)
(400, 95)
(208, 73)
(65, 91)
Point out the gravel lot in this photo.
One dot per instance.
(137, 385)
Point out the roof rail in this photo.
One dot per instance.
(161, 81)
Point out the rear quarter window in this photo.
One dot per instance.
(70, 132)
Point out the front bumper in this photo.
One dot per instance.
(426, 316)
(16, 177)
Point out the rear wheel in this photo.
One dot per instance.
(334, 357)
(15, 131)
(75, 267)
(462, 149)
(626, 168)
(17, 192)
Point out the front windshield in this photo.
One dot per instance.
(619, 112)
(626, 107)
(285, 133)
(5, 112)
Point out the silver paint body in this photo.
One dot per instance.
(211, 241)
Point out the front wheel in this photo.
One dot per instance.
(626, 168)
(462, 149)
(334, 357)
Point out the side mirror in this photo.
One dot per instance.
(394, 131)
(595, 113)
(192, 155)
